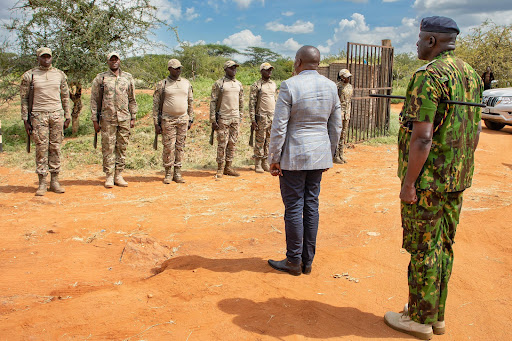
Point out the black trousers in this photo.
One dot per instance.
(300, 191)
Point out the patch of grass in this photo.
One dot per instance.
(392, 136)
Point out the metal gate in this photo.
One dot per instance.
(371, 67)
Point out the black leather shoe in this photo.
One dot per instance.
(306, 269)
(286, 266)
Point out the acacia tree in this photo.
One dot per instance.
(488, 45)
(80, 34)
(258, 55)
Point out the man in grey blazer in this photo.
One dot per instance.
(305, 133)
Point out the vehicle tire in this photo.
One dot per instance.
(493, 125)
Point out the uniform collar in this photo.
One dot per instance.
(45, 68)
(172, 80)
(112, 72)
(444, 54)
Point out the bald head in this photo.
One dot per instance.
(306, 58)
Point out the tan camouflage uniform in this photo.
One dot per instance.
(177, 111)
(345, 91)
(262, 102)
(50, 107)
(119, 107)
(231, 110)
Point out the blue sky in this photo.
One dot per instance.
(284, 26)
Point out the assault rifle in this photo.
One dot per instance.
(471, 104)
(30, 106)
(217, 108)
(99, 107)
(159, 120)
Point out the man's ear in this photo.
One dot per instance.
(431, 41)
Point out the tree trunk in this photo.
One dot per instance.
(75, 93)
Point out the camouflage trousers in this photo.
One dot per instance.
(341, 144)
(114, 140)
(48, 132)
(428, 235)
(174, 133)
(262, 137)
(227, 136)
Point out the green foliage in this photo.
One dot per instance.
(198, 61)
(404, 66)
(258, 55)
(147, 70)
(489, 45)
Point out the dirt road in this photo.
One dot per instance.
(188, 262)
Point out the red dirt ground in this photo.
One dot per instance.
(188, 262)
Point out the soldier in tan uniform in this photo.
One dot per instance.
(228, 101)
(176, 118)
(345, 92)
(46, 121)
(262, 103)
(118, 112)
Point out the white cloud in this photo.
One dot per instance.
(208, 19)
(243, 39)
(403, 37)
(298, 27)
(246, 38)
(390, 0)
(190, 14)
(243, 4)
(168, 10)
(288, 13)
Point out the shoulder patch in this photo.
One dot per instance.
(424, 67)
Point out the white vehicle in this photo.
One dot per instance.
(498, 110)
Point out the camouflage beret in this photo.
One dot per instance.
(230, 63)
(112, 54)
(266, 66)
(174, 63)
(43, 50)
(439, 25)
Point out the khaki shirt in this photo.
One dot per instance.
(51, 92)
(178, 99)
(262, 99)
(118, 96)
(345, 91)
(232, 103)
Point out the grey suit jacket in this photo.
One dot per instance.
(307, 123)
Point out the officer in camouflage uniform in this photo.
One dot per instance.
(345, 91)
(262, 103)
(436, 144)
(47, 124)
(177, 118)
(231, 94)
(119, 110)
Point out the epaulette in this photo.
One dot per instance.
(424, 67)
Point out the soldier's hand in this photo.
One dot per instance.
(275, 169)
(28, 128)
(132, 123)
(408, 194)
(66, 123)
(254, 126)
(158, 129)
(96, 126)
(215, 126)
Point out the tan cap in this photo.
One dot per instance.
(230, 63)
(174, 63)
(266, 66)
(112, 54)
(43, 50)
(344, 73)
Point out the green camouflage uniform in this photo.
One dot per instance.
(345, 91)
(229, 125)
(262, 119)
(48, 126)
(429, 225)
(118, 108)
(174, 128)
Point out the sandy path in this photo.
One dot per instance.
(90, 264)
